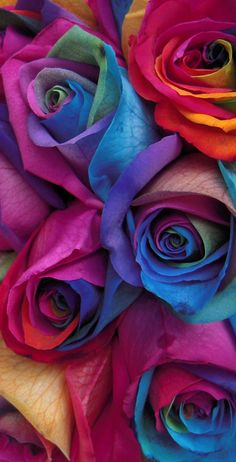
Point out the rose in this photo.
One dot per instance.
(182, 58)
(24, 200)
(59, 293)
(178, 232)
(80, 110)
(174, 392)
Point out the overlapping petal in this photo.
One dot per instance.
(66, 292)
(179, 232)
(174, 391)
(183, 59)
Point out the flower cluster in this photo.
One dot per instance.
(117, 230)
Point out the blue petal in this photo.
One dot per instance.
(228, 170)
(194, 286)
(160, 447)
(73, 117)
(222, 305)
(99, 309)
(131, 130)
(120, 8)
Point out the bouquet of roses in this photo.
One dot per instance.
(117, 230)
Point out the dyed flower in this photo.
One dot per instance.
(79, 108)
(175, 392)
(59, 293)
(177, 233)
(182, 58)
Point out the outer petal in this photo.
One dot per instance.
(89, 383)
(39, 392)
(172, 340)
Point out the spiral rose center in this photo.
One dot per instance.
(174, 237)
(56, 96)
(215, 55)
(194, 410)
(58, 303)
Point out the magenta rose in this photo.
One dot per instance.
(173, 390)
(59, 294)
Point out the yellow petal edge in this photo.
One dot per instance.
(40, 394)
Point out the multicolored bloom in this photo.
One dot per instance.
(174, 392)
(175, 235)
(66, 293)
(183, 59)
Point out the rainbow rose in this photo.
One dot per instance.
(172, 232)
(182, 58)
(60, 293)
(77, 119)
(175, 389)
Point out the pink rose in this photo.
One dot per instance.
(173, 390)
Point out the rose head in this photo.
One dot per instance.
(177, 394)
(182, 58)
(174, 236)
(59, 293)
(72, 102)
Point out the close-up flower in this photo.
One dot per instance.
(175, 394)
(182, 58)
(79, 109)
(174, 236)
(66, 292)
